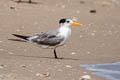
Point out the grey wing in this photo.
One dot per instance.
(49, 38)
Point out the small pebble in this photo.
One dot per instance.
(10, 53)
(48, 69)
(82, 2)
(90, 24)
(37, 74)
(36, 23)
(68, 66)
(73, 53)
(12, 7)
(1, 41)
(60, 70)
(24, 50)
(43, 75)
(24, 66)
(92, 11)
(60, 6)
(1, 49)
(18, 30)
(92, 34)
(2, 66)
(77, 11)
(85, 77)
(88, 52)
(81, 36)
(104, 3)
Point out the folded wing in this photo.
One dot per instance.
(50, 38)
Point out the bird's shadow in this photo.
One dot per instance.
(19, 40)
(47, 57)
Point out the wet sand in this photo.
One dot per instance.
(94, 43)
(111, 71)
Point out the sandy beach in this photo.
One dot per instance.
(95, 43)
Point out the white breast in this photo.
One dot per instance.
(65, 32)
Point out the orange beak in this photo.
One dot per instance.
(76, 24)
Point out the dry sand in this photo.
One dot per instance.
(96, 42)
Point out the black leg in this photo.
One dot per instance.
(55, 53)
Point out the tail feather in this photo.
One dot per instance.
(21, 36)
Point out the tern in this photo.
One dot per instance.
(52, 38)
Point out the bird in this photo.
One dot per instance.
(52, 38)
(30, 1)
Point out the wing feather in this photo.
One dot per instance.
(50, 38)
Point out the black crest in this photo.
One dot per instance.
(62, 21)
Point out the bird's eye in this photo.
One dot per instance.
(68, 21)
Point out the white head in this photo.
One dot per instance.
(68, 22)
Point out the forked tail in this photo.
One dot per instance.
(21, 36)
